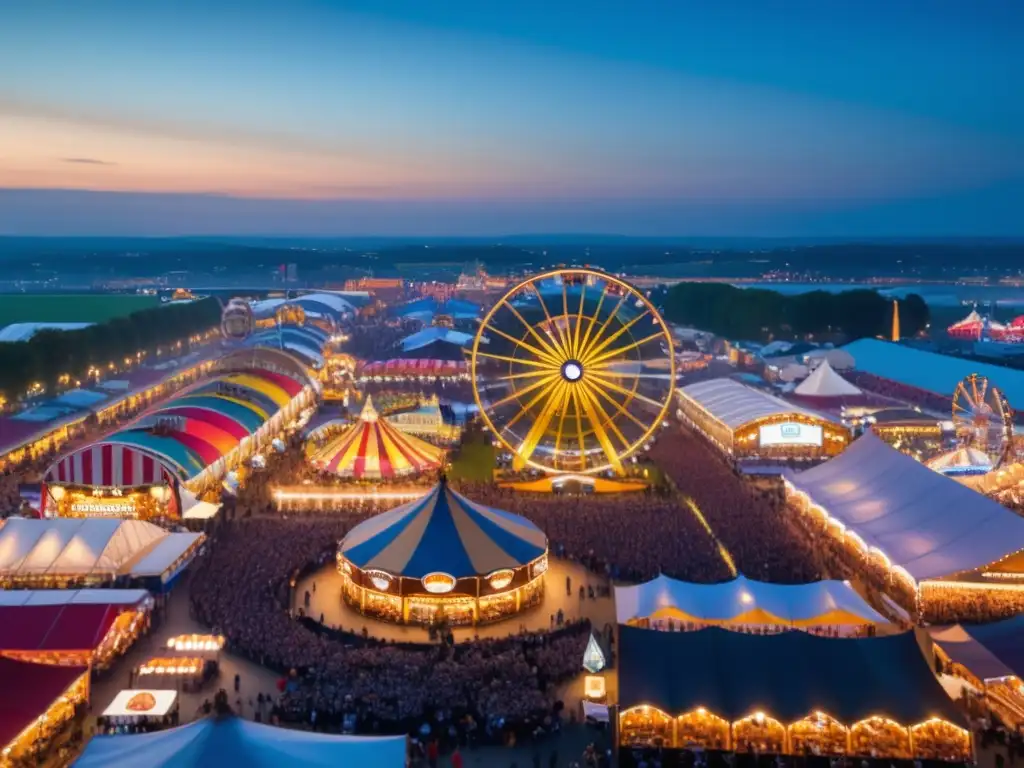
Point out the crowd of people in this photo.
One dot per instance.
(242, 590)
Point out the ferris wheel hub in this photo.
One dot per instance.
(572, 370)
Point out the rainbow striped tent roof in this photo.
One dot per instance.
(444, 532)
(374, 449)
(183, 435)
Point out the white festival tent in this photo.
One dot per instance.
(825, 382)
(231, 741)
(819, 603)
(89, 547)
(921, 521)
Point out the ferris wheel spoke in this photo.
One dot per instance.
(622, 390)
(619, 407)
(610, 423)
(593, 341)
(563, 408)
(552, 377)
(568, 326)
(622, 350)
(544, 343)
(592, 353)
(595, 415)
(519, 360)
(526, 375)
(538, 428)
(549, 357)
(533, 401)
(579, 319)
(555, 330)
(593, 318)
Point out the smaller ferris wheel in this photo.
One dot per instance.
(982, 418)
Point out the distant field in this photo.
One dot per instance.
(69, 308)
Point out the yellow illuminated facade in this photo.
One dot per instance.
(571, 389)
(818, 733)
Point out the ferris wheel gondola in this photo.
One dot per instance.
(573, 371)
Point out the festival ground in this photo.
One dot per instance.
(175, 620)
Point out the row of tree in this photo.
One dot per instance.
(757, 314)
(56, 359)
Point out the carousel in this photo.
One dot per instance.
(443, 559)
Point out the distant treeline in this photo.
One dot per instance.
(49, 355)
(756, 314)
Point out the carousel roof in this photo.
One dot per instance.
(373, 448)
(444, 531)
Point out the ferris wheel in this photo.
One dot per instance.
(982, 418)
(573, 371)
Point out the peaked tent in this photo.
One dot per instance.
(374, 448)
(233, 741)
(961, 461)
(787, 676)
(1003, 640)
(745, 601)
(825, 382)
(923, 522)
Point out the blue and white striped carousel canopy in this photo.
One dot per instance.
(444, 531)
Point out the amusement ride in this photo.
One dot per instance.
(573, 372)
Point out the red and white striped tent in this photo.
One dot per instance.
(109, 465)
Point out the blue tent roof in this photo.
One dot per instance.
(444, 531)
(930, 371)
(233, 741)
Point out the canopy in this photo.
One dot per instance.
(922, 521)
(91, 546)
(373, 449)
(1003, 640)
(961, 461)
(825, 382)
(29, 690)
(444, 531)
(233, 741)
(788, 676)
(62, 620)
(744, 601)
(961, 647)
(735, 404)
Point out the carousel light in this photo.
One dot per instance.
(438, 583)
(380, 579)
(501, 578)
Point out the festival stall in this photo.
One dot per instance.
(823, 607)
(748, 423)
(86, 627)
(927, 537)
(373, 449)
(39, 707)
(425, 420)
(161, 463)
(420, 369)
(443, 558)
(788, 693)
(71, 553)
(233, 741)
(141, 708)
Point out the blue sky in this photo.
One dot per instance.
(686, 118)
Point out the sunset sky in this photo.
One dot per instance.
(796, 117)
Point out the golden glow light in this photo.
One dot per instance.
(438, 583)
(501, 578)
